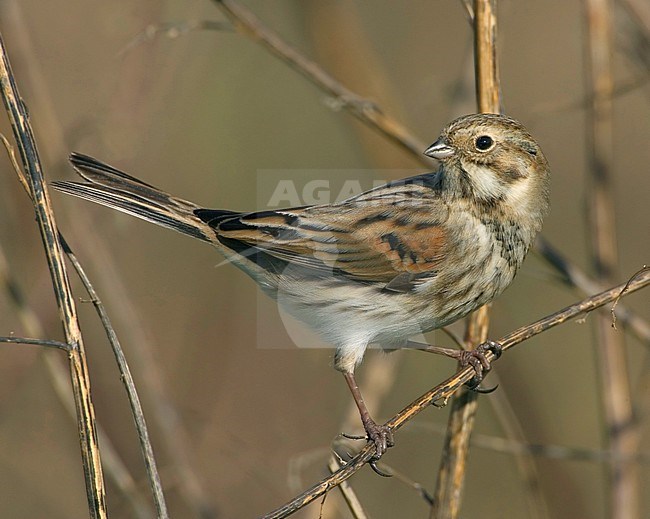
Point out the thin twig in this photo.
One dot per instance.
(172, 30)
(419, 488)
(38, 342)
(444, 390)
(363, 109)
(95, 491)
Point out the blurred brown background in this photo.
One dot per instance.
(200, 115)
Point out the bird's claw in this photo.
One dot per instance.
(477, 359)
(381, 436)
(353, 436)
(483, 391)
(377, 470)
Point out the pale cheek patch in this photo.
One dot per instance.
(485, 182)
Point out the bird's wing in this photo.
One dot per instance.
(391, 235)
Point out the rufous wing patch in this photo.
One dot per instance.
(376, 250)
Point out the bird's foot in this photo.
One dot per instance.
(380, 435)
(477, 359)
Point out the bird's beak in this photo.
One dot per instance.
(439, 150)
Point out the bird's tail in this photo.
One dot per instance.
(106, 185)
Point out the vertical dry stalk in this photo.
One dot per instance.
(622, 434)
(488, 91)
(23, 134)
(453, 464)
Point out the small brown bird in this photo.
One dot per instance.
(380, 267)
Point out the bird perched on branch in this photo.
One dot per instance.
(401, 259)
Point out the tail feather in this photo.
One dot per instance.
(106, 185)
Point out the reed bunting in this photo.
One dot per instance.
(396, 261)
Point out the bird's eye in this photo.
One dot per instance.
(484, 142)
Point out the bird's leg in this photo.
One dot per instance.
(380, 435)
(475, 358)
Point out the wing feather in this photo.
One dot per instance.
(392, 235)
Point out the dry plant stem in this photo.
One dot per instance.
(444, 390)
(363, 109)
(172, 30)
(136, 408)
(129, 384)
(622, 431)
(95, 491)
(485, 56)
(453, 462)
(115, 468)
